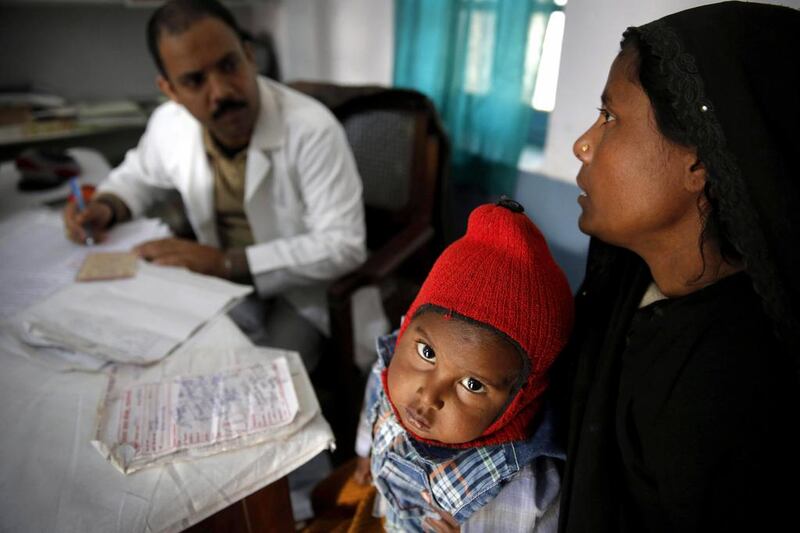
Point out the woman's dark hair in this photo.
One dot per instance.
(649, 72)
(177, 16)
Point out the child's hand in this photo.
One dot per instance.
(362, 474)
(446, 523)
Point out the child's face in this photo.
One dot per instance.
(449, 379)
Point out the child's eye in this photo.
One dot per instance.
(607, 116)
(473, 385)
(426, 352)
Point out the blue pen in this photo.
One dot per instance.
(78, 194)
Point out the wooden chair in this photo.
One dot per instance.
(402, 155)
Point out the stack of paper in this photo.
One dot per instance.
(88, 325)
(138, 320)
(111, 114)
(38, 259)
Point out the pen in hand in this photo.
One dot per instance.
(78, 194)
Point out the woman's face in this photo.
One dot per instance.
(638, 187)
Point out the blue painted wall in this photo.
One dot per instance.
(553, 206)
(550, 203)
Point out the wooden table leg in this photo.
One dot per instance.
(268, 510)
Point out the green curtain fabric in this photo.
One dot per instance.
(470, 58)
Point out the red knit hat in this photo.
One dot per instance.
(501, 274)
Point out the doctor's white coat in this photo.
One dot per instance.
(303, 195)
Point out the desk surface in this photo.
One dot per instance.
(52, 478)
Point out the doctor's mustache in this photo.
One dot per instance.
(227, 105)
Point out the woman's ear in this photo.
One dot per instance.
(695, 180)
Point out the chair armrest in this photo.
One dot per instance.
(381, 263)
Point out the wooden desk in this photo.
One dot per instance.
(53, 479)
(267, 510)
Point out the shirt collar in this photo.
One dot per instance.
(213, 150)
(269, 131)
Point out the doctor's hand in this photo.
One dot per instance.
(95, 217)
(181, 252)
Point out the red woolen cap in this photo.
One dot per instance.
(501, 274)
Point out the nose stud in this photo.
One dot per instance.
(584, 148)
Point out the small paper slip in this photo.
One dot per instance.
(215, 411)
(105, 266)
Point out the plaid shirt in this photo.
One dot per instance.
(507, 487)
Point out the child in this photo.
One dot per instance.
(455, 423)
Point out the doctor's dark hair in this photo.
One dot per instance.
(177, 16)
(649, 73)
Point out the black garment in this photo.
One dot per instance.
(732, 71)
(683, 413)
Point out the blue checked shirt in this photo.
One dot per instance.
(508, 487)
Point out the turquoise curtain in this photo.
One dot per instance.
(469, 57)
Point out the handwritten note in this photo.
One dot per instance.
(157, 419)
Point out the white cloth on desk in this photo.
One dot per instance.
(302, 192)
(52, 479)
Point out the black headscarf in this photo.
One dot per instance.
(734, 76)
(734, 73)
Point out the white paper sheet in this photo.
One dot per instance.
(54, 479)
(137, 320)
(38, 260)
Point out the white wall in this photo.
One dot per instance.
(76, 51)
(79, 51)
(342, 41)
(591, 41)
(98, 51)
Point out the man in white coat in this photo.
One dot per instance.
(266, 174)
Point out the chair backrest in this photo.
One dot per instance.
(401, 151)
(402, 155)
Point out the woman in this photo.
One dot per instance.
(682, 373)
